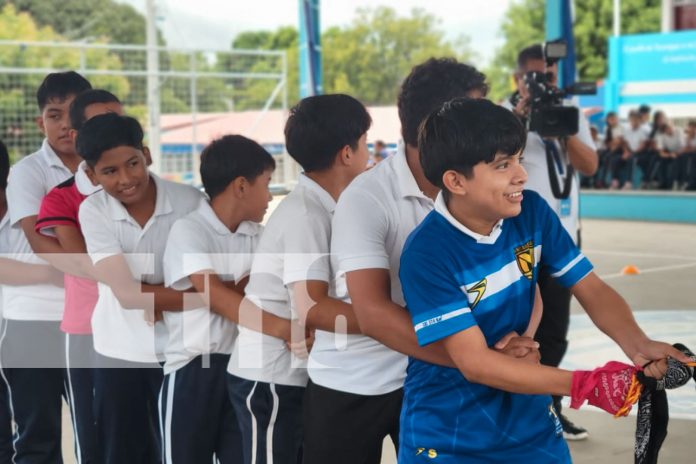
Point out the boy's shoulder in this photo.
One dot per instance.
(32, 163)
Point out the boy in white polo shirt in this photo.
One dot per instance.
(125, 226)
(33, 346)
(373, 218)
(207, 249)
(58, 218)
(326, 135)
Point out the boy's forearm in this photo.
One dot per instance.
(232, 305)
(332, 315)
(18, 273)
(610, 313)
(482, 365)
(393, 328)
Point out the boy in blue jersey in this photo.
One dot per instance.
(469, 273)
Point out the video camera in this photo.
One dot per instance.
(548, 116)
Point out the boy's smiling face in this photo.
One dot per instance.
(54, 123)
(492, 193)
(122, 172)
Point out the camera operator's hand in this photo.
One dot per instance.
(521, 109)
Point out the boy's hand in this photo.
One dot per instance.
(302, 348)
(605, 387)
(650, 350)
(519, 347)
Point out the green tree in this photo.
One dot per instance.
(107, 20)
(18, 91)
(524, 24)
(370, 57)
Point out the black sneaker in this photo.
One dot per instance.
(572, 432)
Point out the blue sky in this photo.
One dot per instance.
(213, 23)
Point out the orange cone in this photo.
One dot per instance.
(630, 270)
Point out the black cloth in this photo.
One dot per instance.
(198, 422)
(345, 428)
(79, 387)
(33, 360)
(653, 410)
(6, 432)
(270, 419)
(126, 412)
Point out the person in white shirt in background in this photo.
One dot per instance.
(669, 143)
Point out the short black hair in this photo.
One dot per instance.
(533, 52)
(230, 157)
(59, 86)
(106, 131)
(610, 114)
(644, 109)
(83, 100)
(4, 165)
(428, 86)
(319, 126)
(464, 132)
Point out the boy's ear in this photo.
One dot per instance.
(40, 124)
(345, 155)
(73, 134)
(454, 182)
(239, 186)
(91, 175)
(148, 156)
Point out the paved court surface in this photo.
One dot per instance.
(663, 297)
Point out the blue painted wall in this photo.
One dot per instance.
(639, 206)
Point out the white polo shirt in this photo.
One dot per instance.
(4, 246)
(109, 230)
(373, 218)
(198, 242)
(293, 248)
(635, 137)
(671, 143)
(30, 180)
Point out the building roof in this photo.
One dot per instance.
(265, 128)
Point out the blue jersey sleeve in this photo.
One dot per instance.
(438, 307)
(558, 251)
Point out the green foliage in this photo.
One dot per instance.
(18, 92)
(368, 58)
(524, 25)
(78, 19)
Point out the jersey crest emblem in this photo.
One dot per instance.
(476, 292)
(524, 255)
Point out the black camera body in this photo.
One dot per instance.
(548, 116)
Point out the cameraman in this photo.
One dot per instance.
(575, 153)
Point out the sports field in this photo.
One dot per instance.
(663, 296)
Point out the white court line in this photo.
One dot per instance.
(651, 270)
(587, 251)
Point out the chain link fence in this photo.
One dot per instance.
(198, 93)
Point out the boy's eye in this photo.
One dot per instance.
(503, 165)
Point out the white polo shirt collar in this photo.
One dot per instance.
(406, 183)
(83, 182)
(118, 212)
(208, 214)
(324, 197)
(50, 156)
(441, 208)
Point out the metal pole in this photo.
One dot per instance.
(288, 162)
(153, 88)
(617, 18)
(195, 158)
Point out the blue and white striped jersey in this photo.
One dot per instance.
(453, 281)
